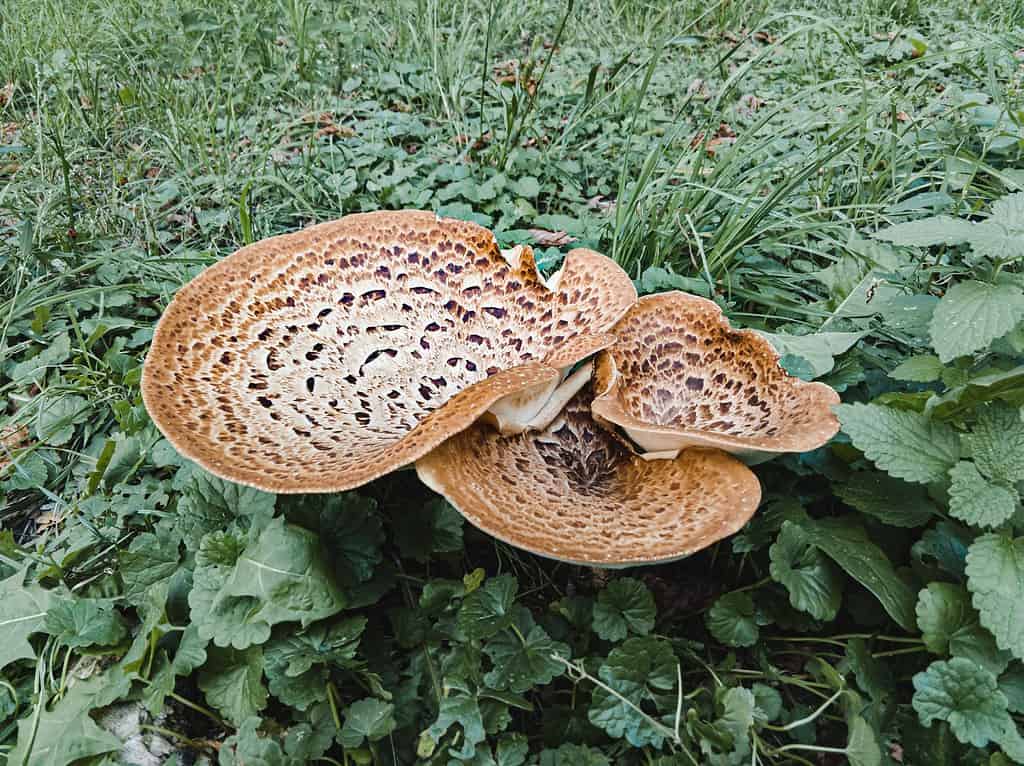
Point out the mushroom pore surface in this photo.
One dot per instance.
(319, 360)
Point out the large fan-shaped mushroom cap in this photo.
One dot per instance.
(679, 376)
(575, 493)
(317, 361)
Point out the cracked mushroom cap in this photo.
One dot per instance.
(575, 493)
(320, 360)
(680, 376)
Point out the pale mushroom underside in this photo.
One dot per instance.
(573, 492)
(320, 360)
(680, 376)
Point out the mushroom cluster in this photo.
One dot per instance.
(320, 360)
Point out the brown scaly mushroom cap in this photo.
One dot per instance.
(575, 493)
(320, 360)
(679, 376)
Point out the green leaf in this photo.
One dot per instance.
(147, 561)
(368, 719)
(732, 620)
(487, 610)
(976, 501)
(286, 572)
(950, 625)
(232, 681)
(1008, 385)
(887, 499)
(848, 545)
(520, 664)
(190, 654)
(862, 747)
(573, 755)
(297, 664)
(902, 443)
(813, 582)
(972, 314)
(281, 577)
(995, 575)
(247, 747)
(819, 349)
(737, 706)
(211, 504)
(996, 442)
(352, 533)
(1011, 683)
(918, 369)
(928, 232)
(965, 695)
(79, 622)
(57, 418)
(459, 708)
(623, 606)
(22, 611)
(635, 670)
(435, 527)
(65, 733)
(55, 352)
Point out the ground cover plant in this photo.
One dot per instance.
(847, 179)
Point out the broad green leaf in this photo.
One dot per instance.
(65, 733)
(819, 349)
(996, 442)
(57, 418)
(971, 315)
(635, 670)
(487, 610)
(190, 655)
(367, 719)
(55, 352)
(848, 545)
(995, 575)
(352, 533)
(813, 582)
(22, 611)
(736, 707)
(976, 501)
(949, 625)
(918, 369)
(462, 709)
(429, 528)
(862, 747)
(286, 573)
(298, 663)
(944, 546)
(1011, 683)
(732, 620)
(568, 754)
(210, 504)
(148, 560)
(522, 663)
(226, 620)
(1007, 385)
(767, 701)
(928, 232)
(887, 499)
(761, 530)
(965, 695)
(232, 681)
(902, 443)
(624, 606)
(80, 622)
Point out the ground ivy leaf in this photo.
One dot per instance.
(247, 747)
(66, 733)
(891, 501)
(22, 611)
(80, 622)
(568, 754)
(285, 572)
(903, 443)
(996, 442)
(737, 707)
(462, 709)
(972, 314)
(761, 530)
(950, 625)
(812, 580)
(352, 532)
(368, 719)
(732, 620)
(210, 504)
(520, 664)
(1011, 683)
(297, 664)
(435, 527)
(487, 609)
(634, 670)
(848, 545)
(944, 546)
(976, 501)
(965, 695)
(624, 605)
(995, 575)
(232, 681)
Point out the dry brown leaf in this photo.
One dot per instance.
(545, 238)
(6, 94)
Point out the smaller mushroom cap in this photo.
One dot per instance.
(680, 376)
(574, 493)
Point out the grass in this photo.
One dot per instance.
(745, 147)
